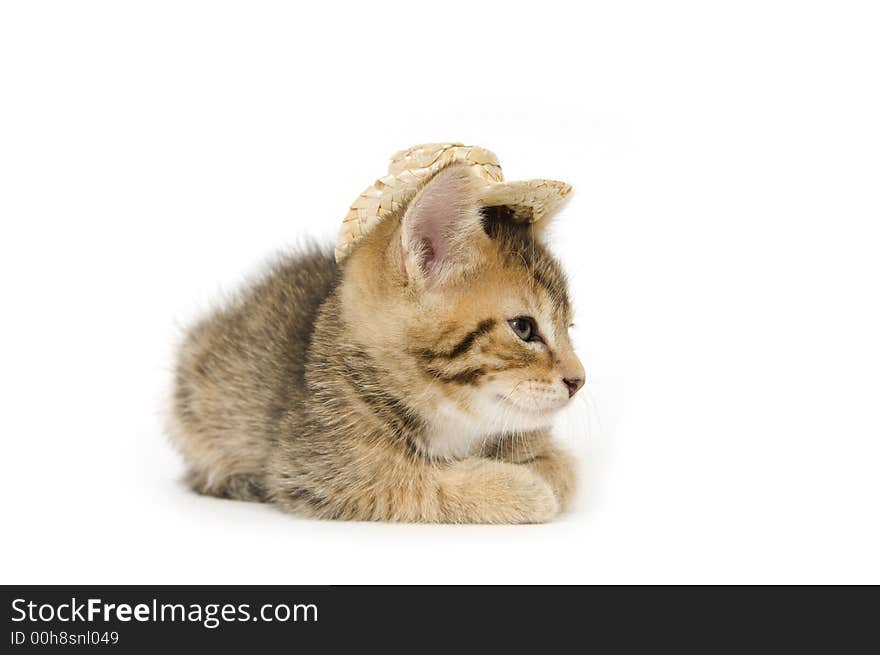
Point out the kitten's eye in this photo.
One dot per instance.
(524, 327)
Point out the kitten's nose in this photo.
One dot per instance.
(573, 385)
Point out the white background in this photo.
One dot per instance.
(722, 244)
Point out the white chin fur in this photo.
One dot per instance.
(456, 434)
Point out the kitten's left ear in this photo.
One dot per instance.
(441, 227)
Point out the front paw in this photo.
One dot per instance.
(537, 453)
(559, 469)
(535, 499)
(485, 491)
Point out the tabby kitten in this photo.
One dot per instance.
(416, 381)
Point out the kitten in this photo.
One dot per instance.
(416, 381)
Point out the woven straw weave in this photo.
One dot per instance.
(410, 170)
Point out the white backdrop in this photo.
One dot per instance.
(722, 244)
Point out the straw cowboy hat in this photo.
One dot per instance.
(529, 200)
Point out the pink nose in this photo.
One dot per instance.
(573, 385)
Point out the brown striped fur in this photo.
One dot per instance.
(391, 387)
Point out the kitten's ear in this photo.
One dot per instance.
(441, 226)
